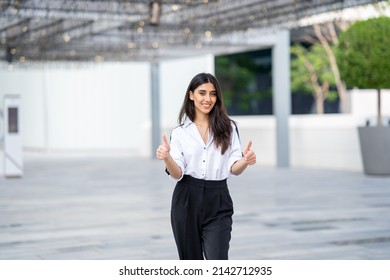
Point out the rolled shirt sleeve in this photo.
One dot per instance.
(177, 154)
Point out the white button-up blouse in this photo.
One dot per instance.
(200, 160)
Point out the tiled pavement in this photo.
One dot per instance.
(117, 207)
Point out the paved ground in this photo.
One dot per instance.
(117, 207)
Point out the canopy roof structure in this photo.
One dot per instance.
(144, 30)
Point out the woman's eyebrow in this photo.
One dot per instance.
(203, 90)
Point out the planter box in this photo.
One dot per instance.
(375, 149)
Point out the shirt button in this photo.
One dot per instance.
(204, 161)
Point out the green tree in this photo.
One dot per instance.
(363, 56)
(320, 65)
(237, 74)
(311, 74)
(329, 41)
(235, 80)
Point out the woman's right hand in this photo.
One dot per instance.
(164, 149)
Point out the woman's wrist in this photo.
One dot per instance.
(239, 166)
(168, 160)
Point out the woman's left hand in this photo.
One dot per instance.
(249, 155)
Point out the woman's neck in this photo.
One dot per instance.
(201, 120)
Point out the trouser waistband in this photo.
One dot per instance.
(204, 183)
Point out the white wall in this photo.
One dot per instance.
(80, 106)
(99, 106)
(364, 103)
(325, 142)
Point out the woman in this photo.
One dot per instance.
(204, 150)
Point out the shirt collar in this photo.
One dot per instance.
(187, 122)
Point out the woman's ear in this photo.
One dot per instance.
(191, 95)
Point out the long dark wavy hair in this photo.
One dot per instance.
(219, 122)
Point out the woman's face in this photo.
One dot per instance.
(204, 97)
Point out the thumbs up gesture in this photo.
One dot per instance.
(164, 149)
(249, 155)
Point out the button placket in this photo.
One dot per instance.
(204, 162)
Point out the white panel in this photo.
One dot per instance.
(261, 130)
(27, 82)
(97, 106)
(81, 105)
(364, 102)
(13, 157)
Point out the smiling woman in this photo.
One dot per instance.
(204, 151)
(204, 98)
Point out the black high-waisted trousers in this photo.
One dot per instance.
(201, 217)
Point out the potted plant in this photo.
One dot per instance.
(363, 57)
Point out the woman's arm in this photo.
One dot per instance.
(239, 166)
(173, 168)
(163, 154)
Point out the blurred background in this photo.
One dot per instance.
(88, 87)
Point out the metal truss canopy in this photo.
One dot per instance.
(124, 30)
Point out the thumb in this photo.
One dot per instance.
(248, 147)
(165, 141)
